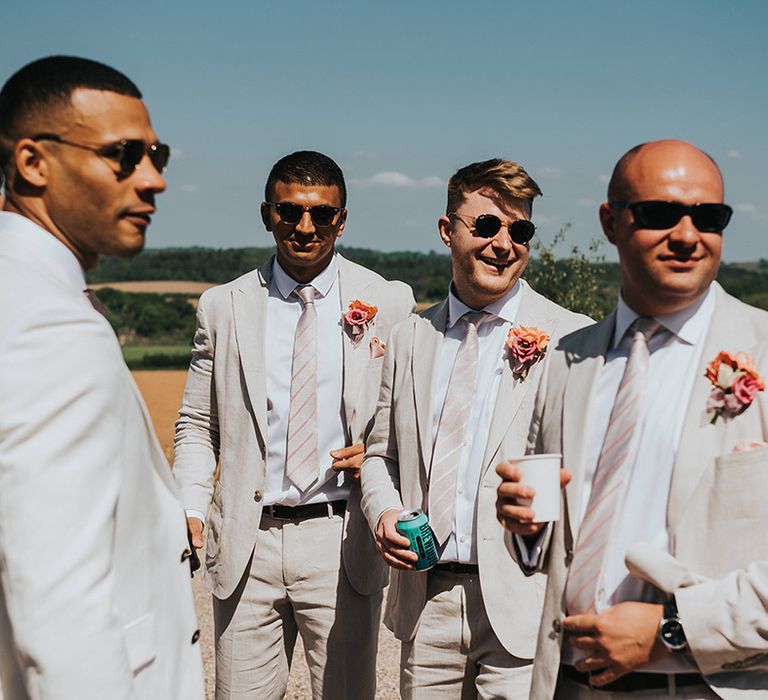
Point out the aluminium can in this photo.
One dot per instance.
(414, 525)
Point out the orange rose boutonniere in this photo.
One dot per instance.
(358, 317)
(735, 383)
(527, 345)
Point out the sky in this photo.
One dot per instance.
(401, 94)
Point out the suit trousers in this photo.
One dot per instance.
(296, 584)
(570, 690)
(455, 652)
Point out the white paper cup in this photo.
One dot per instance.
(542, 472)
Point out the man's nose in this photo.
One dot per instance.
(502, 241)
(148, 178)
(305, 224)
(684, 234)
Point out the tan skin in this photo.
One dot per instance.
(304, 251)
(484, 270)
(77, 195)
(661, 272)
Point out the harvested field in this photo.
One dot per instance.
(162, 391)
(158, 286)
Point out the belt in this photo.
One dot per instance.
(455, 567)
(637, 681)
(311, 510)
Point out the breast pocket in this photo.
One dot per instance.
(740, 487)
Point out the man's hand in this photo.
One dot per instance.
(617, 641)
(518, 519)
(349, 459)
(195, 530)
(392, 545)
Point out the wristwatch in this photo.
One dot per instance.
(671, 630)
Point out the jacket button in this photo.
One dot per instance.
(257, 496)
(568, 556)
(557, 626)
(195, 636)
(186, 554)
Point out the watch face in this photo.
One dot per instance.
(672, 634)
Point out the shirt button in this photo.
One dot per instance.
(257, 496)
(460, 490)
(195, 636)
(462, 539)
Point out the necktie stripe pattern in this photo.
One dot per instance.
(301, 462)
(451, 431)
(611, 476)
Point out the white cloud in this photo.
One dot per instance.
(751, 211)
(190, 188)
(733, 153)
(176, 153)
(604, 178)
(393, 179)
(551, 171)
(585, 202)
(542, 220)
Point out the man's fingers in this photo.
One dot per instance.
(513, 490)
(584, 624)
(585, 642)
(592, 663)
(565, 478)
(509, 471)
(340, 464)
(523, 529)
(609, 675)
(523, 514)
(349, 451)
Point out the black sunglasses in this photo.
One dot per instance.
(658, 215)
(290, 213)
(488, 225)
(126, 154)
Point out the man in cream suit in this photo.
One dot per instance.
(468, 626)
(281, 391)
(670, 600)
(95, 595)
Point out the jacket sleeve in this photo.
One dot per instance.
(196, 441)
(61, 428)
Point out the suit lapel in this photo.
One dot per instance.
(585, 364)
(427, 337)
(249, 304)
(356, 353)
(700, 440)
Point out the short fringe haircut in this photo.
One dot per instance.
(503, 178)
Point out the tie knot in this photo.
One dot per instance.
(474, 319)
(306, 293)
(644, 325)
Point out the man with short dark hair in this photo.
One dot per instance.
(457, 392)
(658, 573)
(280, 394)
(95, 597)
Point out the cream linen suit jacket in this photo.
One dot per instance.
(717, 512)
(399, 453)
(224, 419)
(95, 595)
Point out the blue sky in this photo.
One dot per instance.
(401, 94)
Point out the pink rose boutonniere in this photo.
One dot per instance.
(735, 383)
(358, 317)
(527, 345)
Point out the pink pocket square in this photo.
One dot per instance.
(747, 445)
(378, 347)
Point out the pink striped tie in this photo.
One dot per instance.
(452, 429)
(301, 462)
(611, 476)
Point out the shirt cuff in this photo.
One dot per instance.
(195, 514)
(530, 554)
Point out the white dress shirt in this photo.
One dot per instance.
(675, 355)
(461, 545)
(283, 311)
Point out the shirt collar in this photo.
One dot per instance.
(689, 324)
(40, 247)
(504, 308)
(323, 283)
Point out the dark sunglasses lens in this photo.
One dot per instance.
(160, 154)
(711, 218)
(656, 215)
(321, 215)
(130, 156)
(487, 225)
(521, 231)
(289, 213)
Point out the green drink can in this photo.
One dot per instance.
(414, 525)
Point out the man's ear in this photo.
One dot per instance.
(31, 162)
(444, 229)
(608, 221)
(265, 218)
(342, 222)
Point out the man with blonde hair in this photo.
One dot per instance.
(457, 396)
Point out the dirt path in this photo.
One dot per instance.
(162, 391)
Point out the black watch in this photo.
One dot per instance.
(671, 630)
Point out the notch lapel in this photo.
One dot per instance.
(533, 312)
(249, 306)
(586, 361)
(427, 336)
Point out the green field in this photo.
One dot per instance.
(157, 356)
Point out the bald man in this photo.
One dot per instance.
(658, 570)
